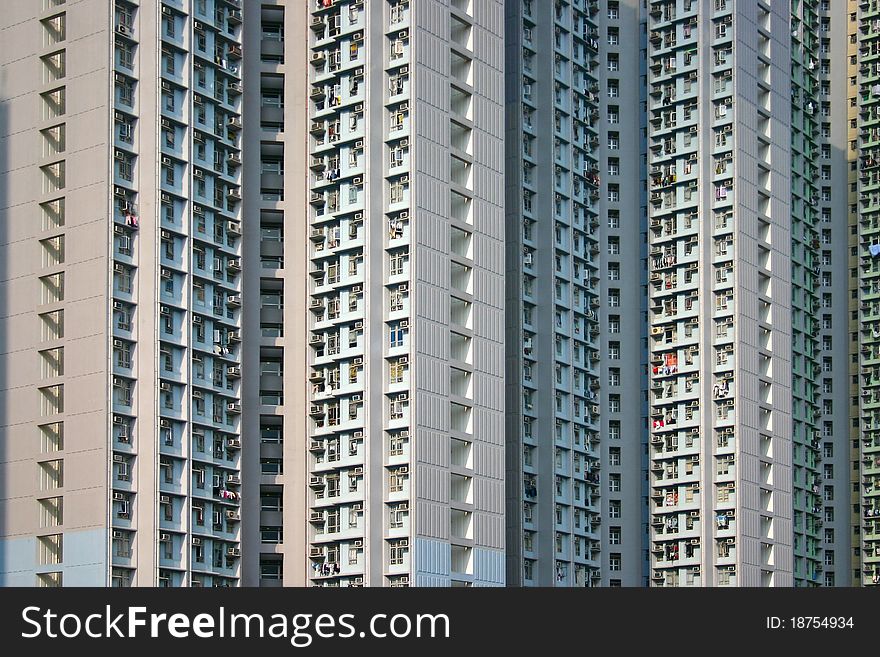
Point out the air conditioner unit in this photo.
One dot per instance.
(165, 310)
(118, 534)
(357, 506)
(358, 434)
(198, 173)
(359, 143)
(118, 305)
(164, 385)
(164, 538)
(357, 398)
(359, 361)
(164, 499)
(118, 344)
(118, 419)
(357, 181)
(403, 470)
(357, 36)
(358, 544)
(403, 360)
(167, 10)
(196, 541)
(120, 78)
(118, 497)
(165, 424)
(197, 319)
(358, 216)
(403, 287)
(117, 458)
(359, 108)
(404, 323)
(166, 86)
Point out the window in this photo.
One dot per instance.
(613, 36)
(273, 31)
(614, 430)
(396, 444)
(271, 466)
(51, 512)
(271, 569)
(396, 335)
(124, 54)
(51, 474)
(396, 371)
(51, 437)
(397, 261)
(49, 579)
(397, 515)
(50, 549)
(271, 534)
(398, 551)
(396, 480)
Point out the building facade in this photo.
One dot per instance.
(720, 294)
(367, 293)
(121, 295)
(865, 519)
(405, 298)
(573, 319)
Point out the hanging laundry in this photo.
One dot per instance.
(874, 249)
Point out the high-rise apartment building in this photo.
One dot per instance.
(865, 244)
(121, 293)
(835, 88)
(720, 293)
(274, 327)
(574, 334)
(806, 343)
(439, 292)
(405, 298)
